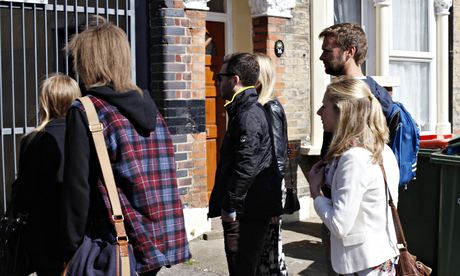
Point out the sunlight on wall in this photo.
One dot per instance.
(242, 26)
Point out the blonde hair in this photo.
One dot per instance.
(361, 121)
(57, 93)
(102, 56)
(267, 78)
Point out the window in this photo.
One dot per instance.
(217, 6)
(412, 58)
(351, 11)
(412, 51)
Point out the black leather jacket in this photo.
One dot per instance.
(278, 124)
(244, 177)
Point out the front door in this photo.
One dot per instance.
(215, 112)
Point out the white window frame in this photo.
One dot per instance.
(226, 18)
(423, 57)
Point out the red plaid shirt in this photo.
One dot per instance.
(145, 173)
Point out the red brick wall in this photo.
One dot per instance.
(266, 31)
(193, 185)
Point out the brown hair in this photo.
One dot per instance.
(102, 56)
(348, 35)
(245, 66)
(57, 93)
(360, 122)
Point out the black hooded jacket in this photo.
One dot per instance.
(244, 178)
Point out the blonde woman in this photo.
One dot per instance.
(363, 240)
(272, 261)
(36, 191)
(141, 154)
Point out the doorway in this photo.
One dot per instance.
(215, 112)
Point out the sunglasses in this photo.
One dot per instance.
(220, 75)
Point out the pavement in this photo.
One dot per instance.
(301, 245)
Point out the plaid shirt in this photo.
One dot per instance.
(145, 173)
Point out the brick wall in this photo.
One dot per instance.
(456, 67)
(177, 85)
(267, 30)
(297, 90)
(170, 71)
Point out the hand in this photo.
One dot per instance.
(316, 178)
(227, 216)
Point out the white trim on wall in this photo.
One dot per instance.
(321, 16)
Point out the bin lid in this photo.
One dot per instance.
(454, 141)
(426, 152)
(441, 158)
(435, 141)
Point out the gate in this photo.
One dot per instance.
(32, 38)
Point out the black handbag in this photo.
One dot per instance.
(292, 201)
(14, 258)
(97, 257)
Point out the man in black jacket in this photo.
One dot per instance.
(243, 195)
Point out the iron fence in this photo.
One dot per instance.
(32, 41)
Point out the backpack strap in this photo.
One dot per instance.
(96, 129)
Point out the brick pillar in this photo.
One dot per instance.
(178, 87)
(266, 31)
(196, 195)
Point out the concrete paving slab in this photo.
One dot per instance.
(302, 247)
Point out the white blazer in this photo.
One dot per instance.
(358, 215)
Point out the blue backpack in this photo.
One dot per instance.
(404, 141)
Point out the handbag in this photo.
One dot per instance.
(292, 201)
(407, 263)
(96, 256)
(14, 259)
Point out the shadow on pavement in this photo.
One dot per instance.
(304, 227)
(307, 250)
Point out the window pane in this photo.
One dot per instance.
(414, 89)
(347, 11)
(216, 6)
(410, 25)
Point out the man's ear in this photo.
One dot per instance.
(350, 53)
(236, 80)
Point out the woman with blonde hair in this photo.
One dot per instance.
(141, 154)
(36, 191)
(363, 239)
(272, 261)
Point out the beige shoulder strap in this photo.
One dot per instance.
(96, 129)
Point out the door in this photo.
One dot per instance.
(215, 112)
